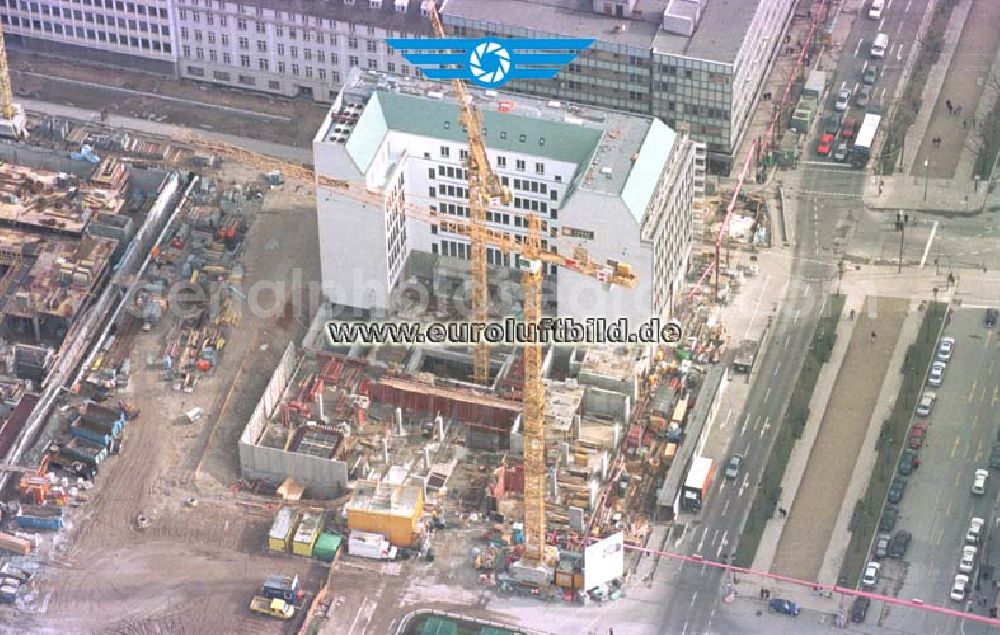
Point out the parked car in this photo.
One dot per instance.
(831, 123)
(974, 532)
(899, 544)
(918, 434)
(968, 560)
(871, 75)
(888, 520)
(864, 96)
(882, 546)
(908, 462)
(979, 481)
(870, 577)
(896, 489)
(786, 607)
(843, 100)
(959, 587)
(849, 127)
(926, 404)
(859, 610)
(825, 144)
(991, 318)
(841, 153)
(946, 348)
(936, 376)
(734, 466)
(995, 457)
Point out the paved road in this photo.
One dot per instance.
(938, 504)
(827, 195)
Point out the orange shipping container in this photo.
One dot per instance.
(204, 365)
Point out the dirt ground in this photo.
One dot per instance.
(813, 514)
(193, 570)
(963, 86)
(292, 122)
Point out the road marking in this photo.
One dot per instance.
(777, 367)
(722, 485)
(767, 393)
(753, 316)
(888, 5)
(694, 596)
(756, 422)
(743, 428)
(899, 52)
(722, 545)
(881, 93)
(858, 48)
(975, 421)
(746, 481)
(907, 8)
(995, 388)
(684, 630)
(940, 535)
(951, 501)
(954, 448)
(701, 542)
(958, 475)
(764, 428)
(788, 340)
(725, 507)
(364, 603)
(979, 451)
(881, 24)
(927, 248)
(715, 535)
(972, 392)
(982, 397)
(796, 318)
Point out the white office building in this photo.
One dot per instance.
(620, 186)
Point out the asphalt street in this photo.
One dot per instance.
(938, 503)
(827, 197)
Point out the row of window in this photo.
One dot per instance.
(280, 29)
(117, 5)
(280, 16)
(88, 34)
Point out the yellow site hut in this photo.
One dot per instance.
(390, 509)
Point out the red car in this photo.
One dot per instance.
(825, 144)
(849, 128)
(917, 435)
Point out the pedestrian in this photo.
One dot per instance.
(947, 102)
(958, 111)
(965, 123)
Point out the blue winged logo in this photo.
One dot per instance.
(490, 63)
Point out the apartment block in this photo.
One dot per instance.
(619, 186)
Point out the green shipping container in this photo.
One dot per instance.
(326, 547)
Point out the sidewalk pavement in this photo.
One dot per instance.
(841, 537)
(933, 114)
(803, 447)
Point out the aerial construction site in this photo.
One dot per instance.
(179, 458)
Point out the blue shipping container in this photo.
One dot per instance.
(85, 432)
(34, 522)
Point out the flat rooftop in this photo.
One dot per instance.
(717, 37)
(385, 498)
(608, 146)
(35, 198)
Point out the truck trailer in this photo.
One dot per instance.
(695, 488)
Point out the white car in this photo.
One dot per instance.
(959, 587)
(843, 100)
(870, 577)
(926, 403)
(975, 531)
(945, 348)
(968, 561)
(936, 377)
(979, 482)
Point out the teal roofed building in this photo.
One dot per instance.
(609, 186)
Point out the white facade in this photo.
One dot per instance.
(135, 34)
(621, 189)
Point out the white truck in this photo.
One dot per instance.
(370, 545)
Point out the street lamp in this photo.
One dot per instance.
(927, 176)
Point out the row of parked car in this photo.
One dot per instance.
(967, 560)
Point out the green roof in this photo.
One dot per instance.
(367, 135)
(653, 154)
(439, 119)
(439, 626)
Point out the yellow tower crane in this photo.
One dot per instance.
(12, 119)
(484, 189)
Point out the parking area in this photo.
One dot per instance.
(936, 503)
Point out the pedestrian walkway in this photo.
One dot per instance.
(841, 537)
(807, 532)
(803, 447)
(953, 90)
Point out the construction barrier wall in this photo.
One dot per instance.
(323, 478)
(599, 402)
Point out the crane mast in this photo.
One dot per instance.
(7, 110)
(484, 188)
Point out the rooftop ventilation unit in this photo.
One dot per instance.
(681, 17)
